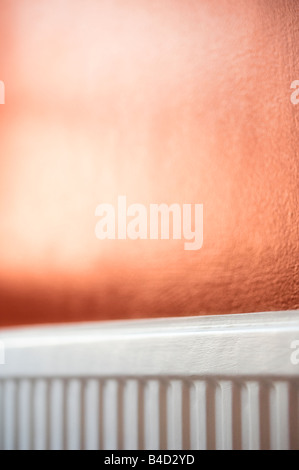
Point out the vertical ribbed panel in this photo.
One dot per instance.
(174, 414)
(150, 413)
(10, 415)
(224, 415)
(250, 416)
(24, 407)
(130, 410)
(279, 415)
(110, 414)
(57, 423)
(73, 414)
(92, 414)
(40, 415)
(2, 428)
(198, 415)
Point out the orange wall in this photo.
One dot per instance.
(172, 101)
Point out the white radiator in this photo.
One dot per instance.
(217, 382)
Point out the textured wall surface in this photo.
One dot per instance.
(172, 101)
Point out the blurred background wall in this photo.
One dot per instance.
(185, 102)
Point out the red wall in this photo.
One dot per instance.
(172, 101)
